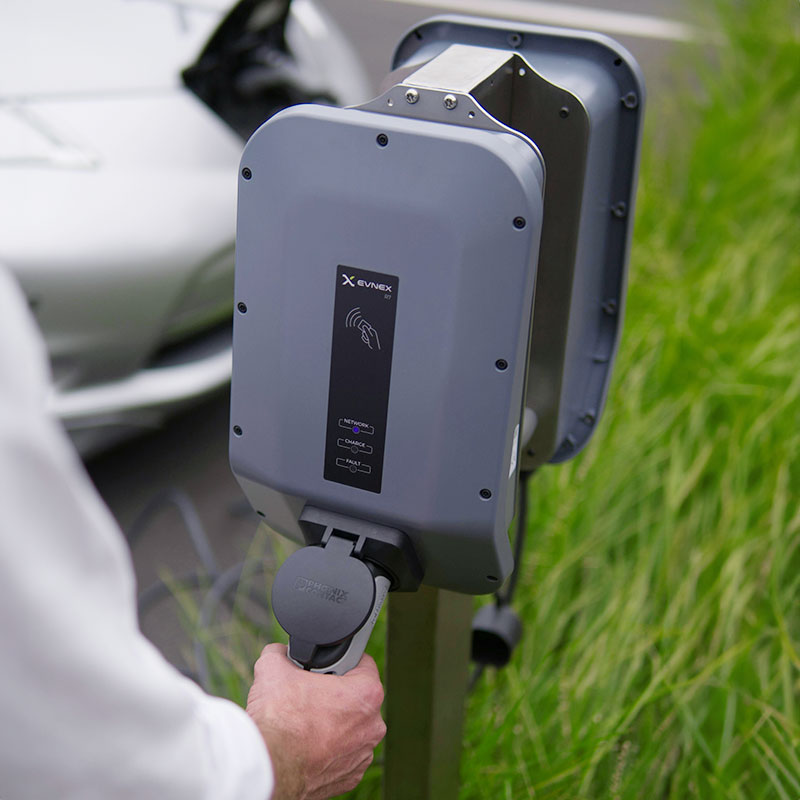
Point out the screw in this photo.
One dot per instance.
(630, 100)
(589, 417)
(501, 364)
(450, 101)
(237, 430)
(563, 112)
(514, 39)
(247, 173)
(610, 307)
(242, 308)
(261, 514)
(485, 494)
(412, 95)
(382, 140)
(519, 223)
(619, 210)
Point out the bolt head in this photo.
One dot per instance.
(630, 100)
(412, 95)
(450, 101)
(610, 307)
(619, 210)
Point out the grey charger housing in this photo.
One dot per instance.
(580, 96)
(390, 355)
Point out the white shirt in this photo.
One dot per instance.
(88, 707)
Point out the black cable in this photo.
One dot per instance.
(159, 590)
(521, 527)
(475, 677)
(220, 586)
(226, 582)
(191, 521)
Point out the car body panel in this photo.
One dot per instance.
(118, 197)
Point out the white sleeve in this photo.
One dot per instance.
(88, 707)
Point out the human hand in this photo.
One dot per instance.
(320, 730)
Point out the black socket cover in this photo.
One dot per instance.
(387, 548)
(322, 598)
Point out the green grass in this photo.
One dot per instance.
(661, 585)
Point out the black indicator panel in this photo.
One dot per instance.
(361, 368)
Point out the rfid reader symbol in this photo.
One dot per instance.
(368, 334)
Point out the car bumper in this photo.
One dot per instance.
(101, 415)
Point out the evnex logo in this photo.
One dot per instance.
(350, 280)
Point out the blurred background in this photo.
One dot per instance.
(659, 590)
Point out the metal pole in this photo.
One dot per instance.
(427, 666)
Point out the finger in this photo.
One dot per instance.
(364, 765)
(273, 654)
(361, 766)
(380, 731)
(366, 666)
(274, 648)
(357, 773)
(348, 781)
(366, 685)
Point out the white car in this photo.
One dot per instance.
(121, 127)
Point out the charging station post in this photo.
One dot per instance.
(427, 673)
(430, 291)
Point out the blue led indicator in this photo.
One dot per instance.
(356, 429)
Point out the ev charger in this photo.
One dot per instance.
(429, 290)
